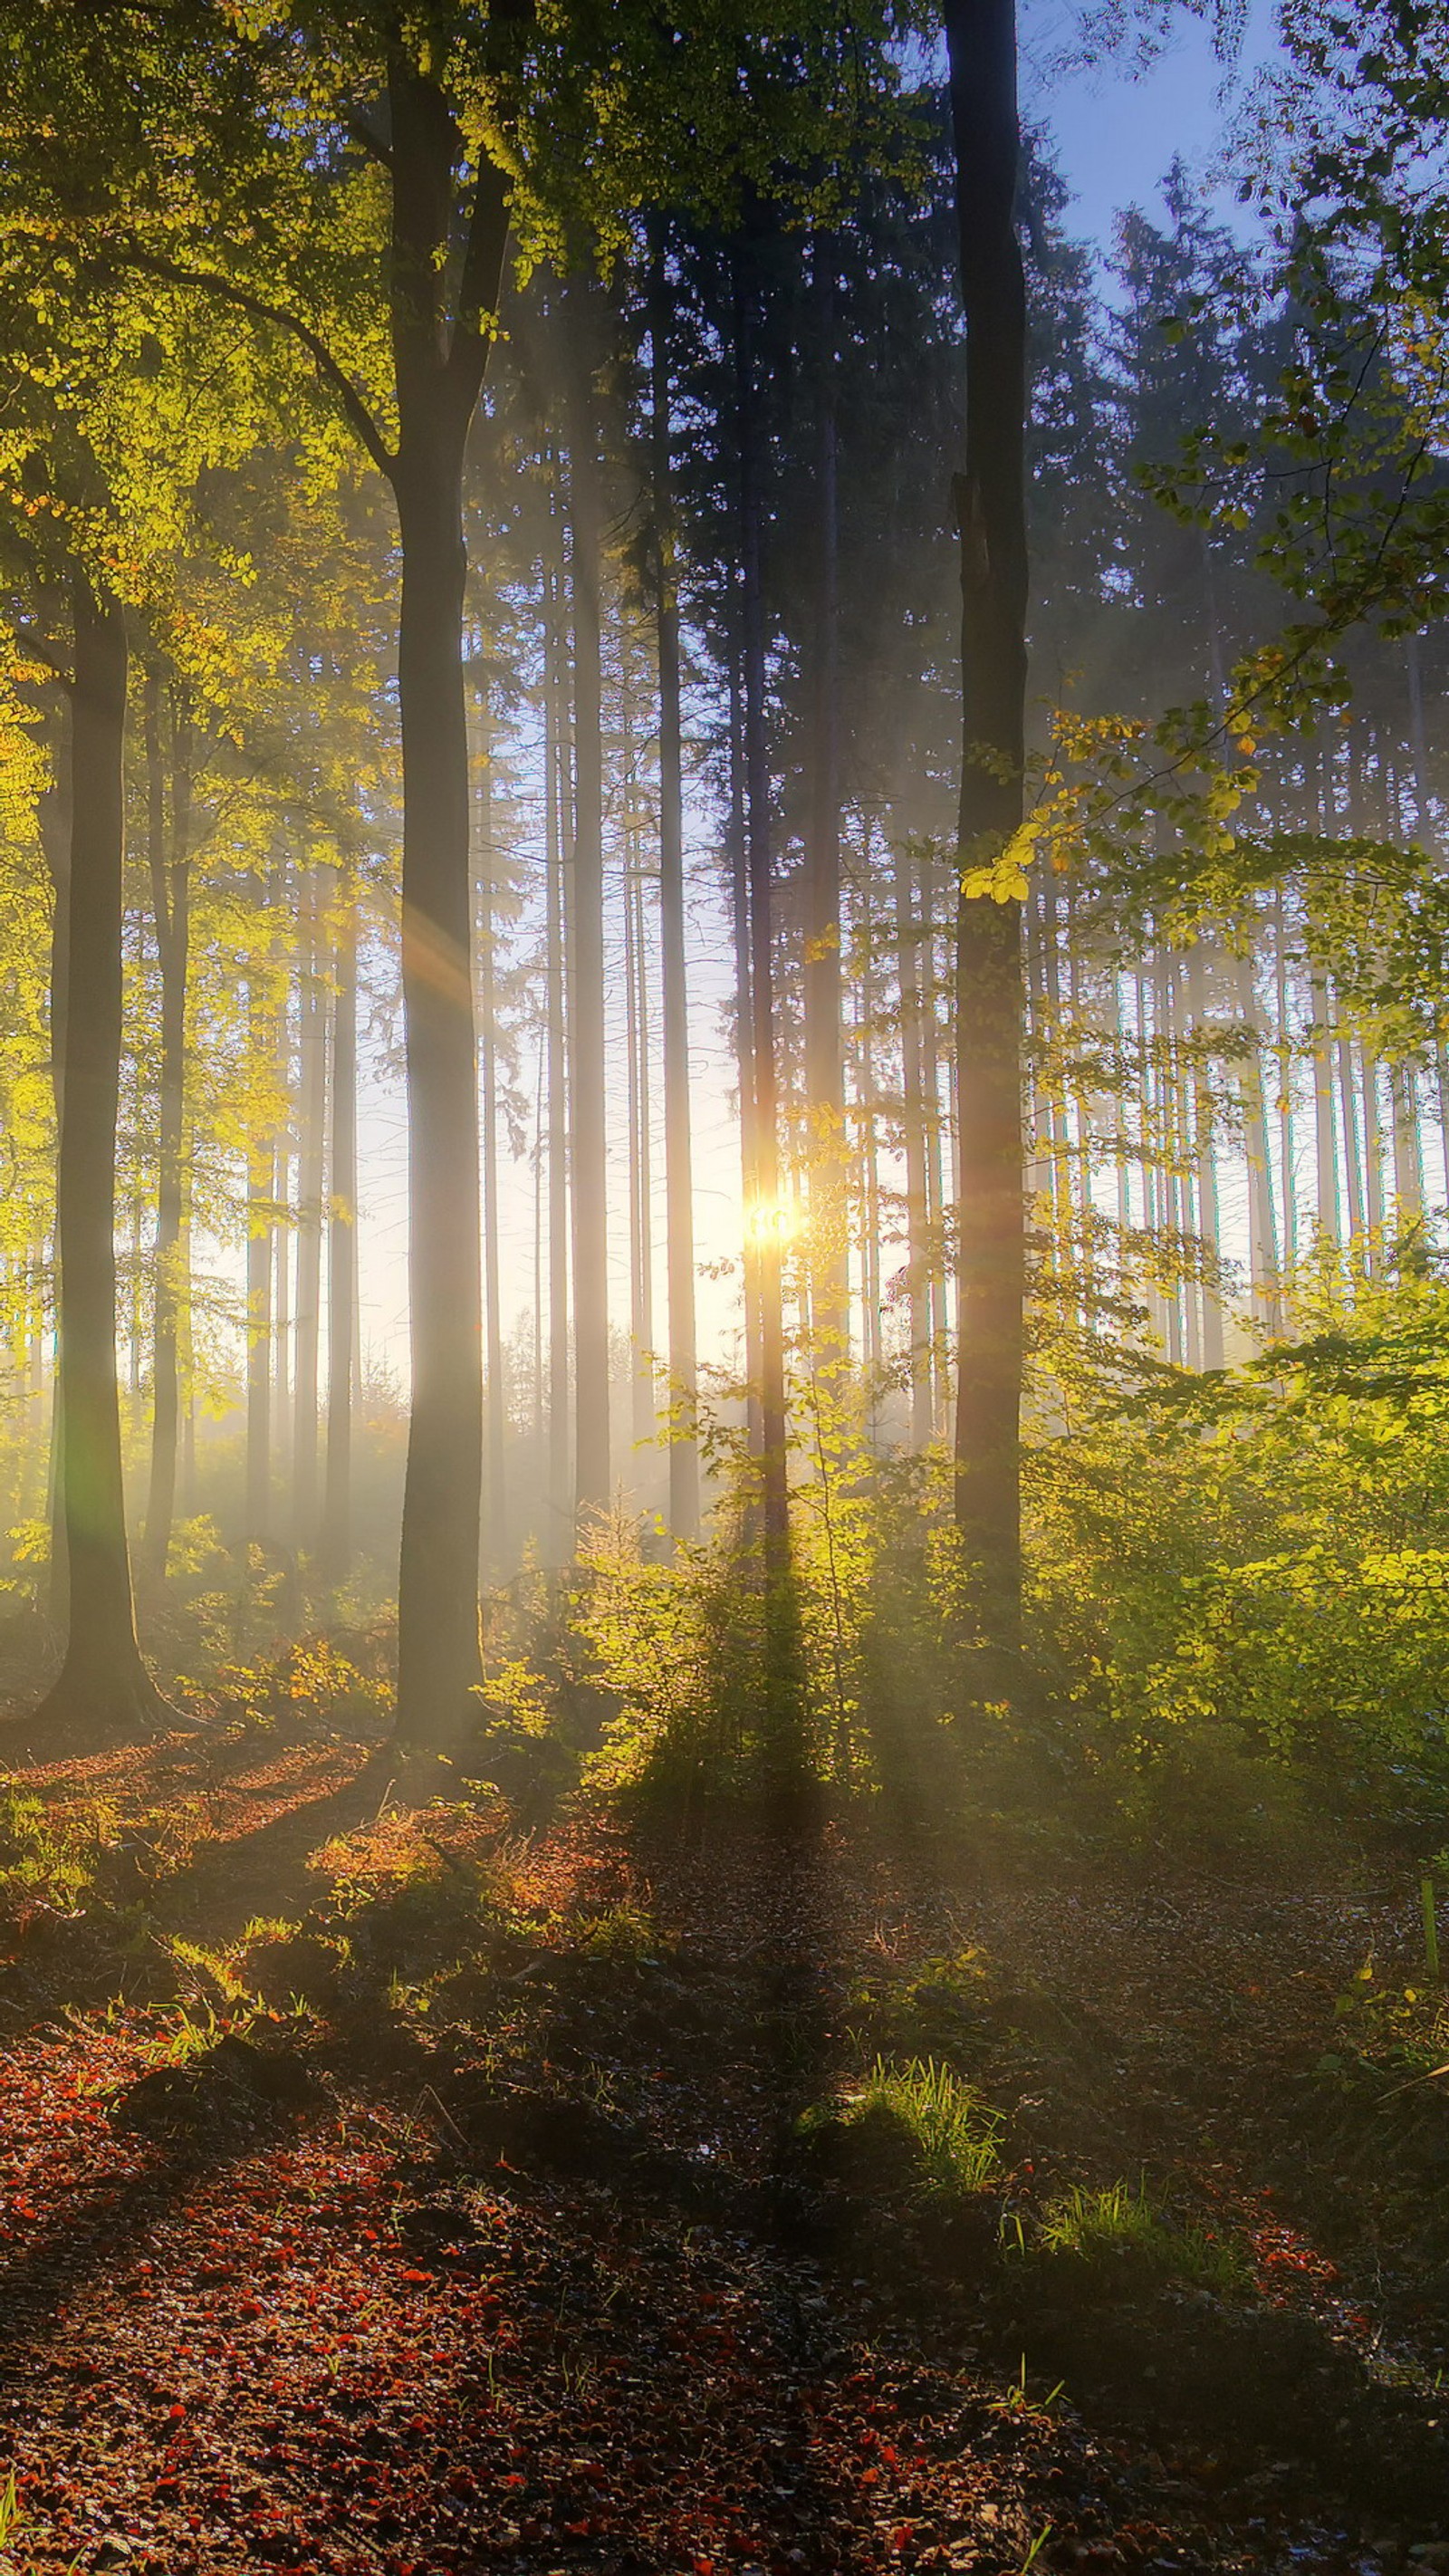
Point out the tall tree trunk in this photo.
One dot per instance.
(171, 901)
(261, 1203)
(1352, 1163)
(1262, 1232)
(1408, 1163)
(1373, 1154)
(310, 1178)
(867, 1113)
(335, 1550)
(495, 1519)
(1285, 1093)
(641, 1193)
(439, 374)
(558, 800)
(56, 827)
(764, 1216)
(1326, 1150)
(1204, 1121)
(678, 1145)
(991, 503)
(103, 1686)
(913, 1121)
(586, 930)
(737, 855)
(283, 1225)
(939, 1312)
(824, 1063)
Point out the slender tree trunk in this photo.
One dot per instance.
(737, 855)
(558, 800)
(913, 1122)
(103, 1686)
(171, 900)
(1262, 1233)
(310, 1180)
(678, 1145)
(335, 1550)
(495, 1519)
(981, 42)
(824, 1064)
(586, 930)
(1324, 1134)
(1204, 1121)
(1373, 1153)
(261, 1179)
(641, 1177)
(1352, 1163)
(938, 1317)
(1408, 1166)
(439, 373)
(283, 1226)
(56, 830)
(1285, 1092)
(868, 1109)
(764, 1215)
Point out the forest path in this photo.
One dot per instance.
(330, 2323)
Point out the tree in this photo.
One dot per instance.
(991, 509)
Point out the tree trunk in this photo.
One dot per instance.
(310, 1178)
(1262, 1232)
(495, 1519)
(737, 856)
(439, 365)
(1204, 1120)
(939, 1311)
(1325, 1144)
(587, 1069)
(261, 1183)
(56, 827)
(335, 1549)
(678, 1144)
(103, 1686)
(171, 900)
(641, 1232)
(824, 1067)
(981, 43)
(1408, 1162)
(557, 803)
(763, 1223)
(913, 1122)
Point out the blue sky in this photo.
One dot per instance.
(1117, 129)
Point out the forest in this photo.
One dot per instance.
(724, 1287)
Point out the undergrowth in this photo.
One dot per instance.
(1119, 2228)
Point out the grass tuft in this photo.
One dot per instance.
(1119, 2224)
(952, 2131)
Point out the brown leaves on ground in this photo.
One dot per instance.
(315, 2328)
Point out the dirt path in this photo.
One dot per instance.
(323, 2316)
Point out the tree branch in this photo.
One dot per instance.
(261, 310)
(363, 136)
(481, 283)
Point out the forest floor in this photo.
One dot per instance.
(501, 2250)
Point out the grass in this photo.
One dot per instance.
(951, 2130)
(1119, 2224)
